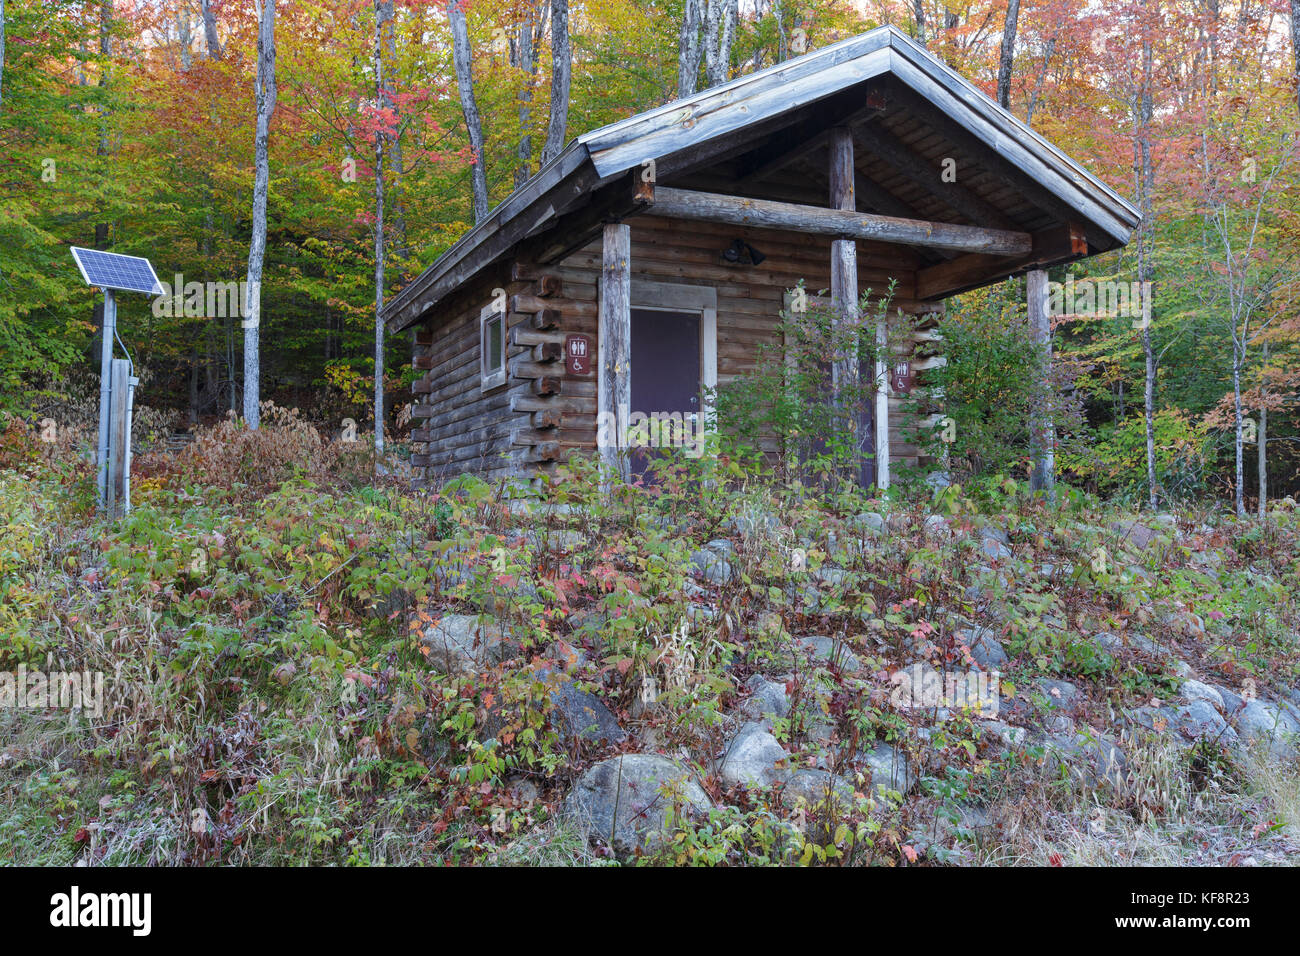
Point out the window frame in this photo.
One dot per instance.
(491, 378)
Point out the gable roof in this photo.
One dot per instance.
(690, 136)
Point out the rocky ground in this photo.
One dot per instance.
(676, 676)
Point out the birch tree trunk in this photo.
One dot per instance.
(561, 68)
(1145, 269)
(460, 53)
(1008, 53)
(2, 53)
(523, 55)
(264, 87)
(1295, 47)
(719, 32)
(1262, 459)
(1238, 423)
(210, 38)
(688, 49)
(383, 15)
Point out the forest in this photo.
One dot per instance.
(133, 127)
(1076, 643)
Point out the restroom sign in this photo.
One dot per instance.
(577, 354)
(903, 377)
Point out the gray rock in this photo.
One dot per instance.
(643, 788)
(938, 480)
(835, 577)
(936, 524)
(869, 521)
(1232, 701)
(459, 643)
(994, 534)
(754, 758)
(1263, 723)
(1059, 693)
(1145, 645)
(1137, 535)
(1195, 690)
(721, 546)
(890, 769)
(769, 699)
(1098, 758)
(985, 649)
(711, 566)
(1191, 722)
(823, 648)
(812, 787)
(994, 550)
(582, 715)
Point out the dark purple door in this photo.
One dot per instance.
(665, 368)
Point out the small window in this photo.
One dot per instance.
(492, 347)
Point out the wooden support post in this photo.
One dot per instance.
(1043, 431)
(845, 370)
(614, 346)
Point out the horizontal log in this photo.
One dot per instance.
(549, 286)
(545, 319)
(838, 223)
(548, 385)
(533, 303)
(547, 418)
(548, 351)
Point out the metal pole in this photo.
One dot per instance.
(105, 388)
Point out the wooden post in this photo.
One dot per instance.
(614, 347)
(1043, 431)
(845, 371)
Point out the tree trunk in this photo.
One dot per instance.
(383, 15)
(264, 87)
(918, 11)
(1145, 268)
(688, 49)
(460, 53)
(1043, 429)
(1008, 53)
(2, 53)
(1238, 430)
(210, 38)
(1263, 440)
(1295, 47)
(561, 68)
(719, 31)
(523, 55)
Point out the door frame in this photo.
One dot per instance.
(652, 296)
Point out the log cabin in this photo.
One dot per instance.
(642, 267)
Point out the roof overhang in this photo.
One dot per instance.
(583, 185)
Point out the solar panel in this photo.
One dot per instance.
(109, 270)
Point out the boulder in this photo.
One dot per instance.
(813, 787)
(754, 758)
(1059, 693)
(869, 521)
(1194, 690)
(459, 643)
(711, 566)
(769, 699)
(624, 801)
(1266, 724)
(985, 650)
(890, 769)
(824, 649)
(580, 715)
